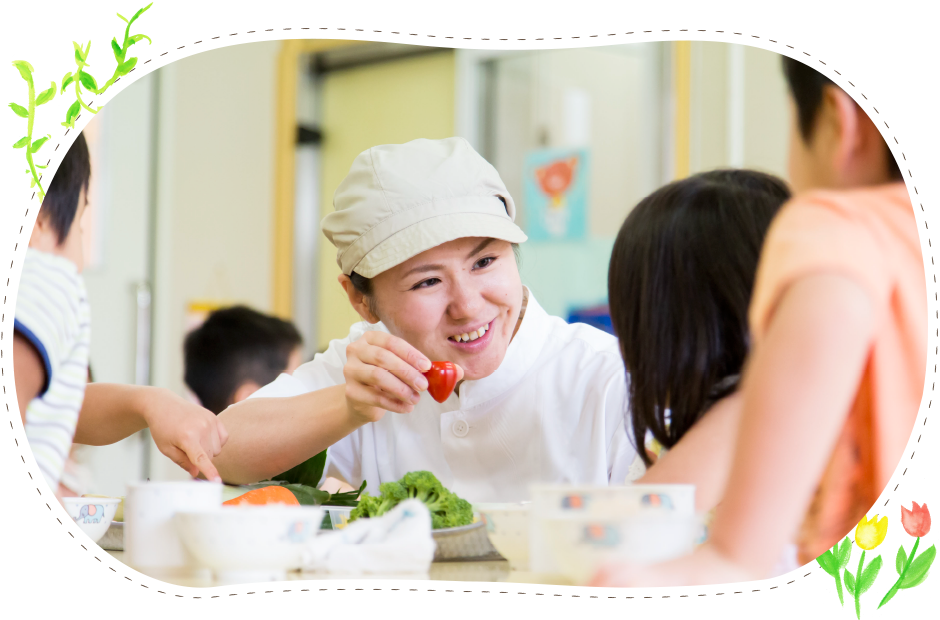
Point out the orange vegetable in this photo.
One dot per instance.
(266, 495)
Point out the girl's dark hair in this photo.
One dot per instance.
(680, 281)
(61, 201)
(806, 86)
(364, 285)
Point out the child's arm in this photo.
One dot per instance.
(185, 432)
(798, 389)
(703, 456)
(29, 373)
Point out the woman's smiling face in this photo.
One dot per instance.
(457, 302)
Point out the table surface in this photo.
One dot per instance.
(487, 571)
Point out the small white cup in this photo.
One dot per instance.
(151, 541)
(92, 514)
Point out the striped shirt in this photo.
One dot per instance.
(52, 313)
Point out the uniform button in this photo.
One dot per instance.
(461, 428)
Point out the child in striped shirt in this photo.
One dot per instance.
(52, 335)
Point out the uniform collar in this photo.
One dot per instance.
(523, 350)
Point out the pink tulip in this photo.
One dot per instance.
(916, 522)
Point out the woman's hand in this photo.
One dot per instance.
(186, 433)
(383, 373)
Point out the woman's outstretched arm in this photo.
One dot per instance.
(268, 436)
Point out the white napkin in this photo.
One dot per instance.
(398, 542)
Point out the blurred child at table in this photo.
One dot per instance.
(236, 351)
(837, 368)
(51, 339)
(680, 280)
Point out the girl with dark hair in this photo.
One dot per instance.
(680, 280)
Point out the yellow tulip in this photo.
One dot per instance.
(871, 532)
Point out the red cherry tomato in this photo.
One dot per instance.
(442, 377)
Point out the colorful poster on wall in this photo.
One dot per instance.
(555, 188)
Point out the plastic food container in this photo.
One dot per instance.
(572, 528)
(339, 516)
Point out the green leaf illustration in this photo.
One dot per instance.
(125, 67)
(25, 69)
(72, 114)
(849, 580)
(118, 52)
(46, 95)
(868, 576)
(917, 572)
(140, 37)
(21, 143)
(88, 81)
(68, 79)
(79, 57)
(32, 182)
(826, 562)
(834, 560)
(845, 552)
(122, 17)
(138, 14)
(20, 110)
(38, 144)
(901, 560)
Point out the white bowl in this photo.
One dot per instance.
(507, 526)
(580, 543)
(249, 543)
(92, 514)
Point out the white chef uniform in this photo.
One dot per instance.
(553, 412)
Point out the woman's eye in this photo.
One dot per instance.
(484, 262)
(425, 283)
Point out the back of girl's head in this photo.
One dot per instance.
(680, 281)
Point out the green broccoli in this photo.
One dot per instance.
(392, 494)
(447, 510)
(367, 507)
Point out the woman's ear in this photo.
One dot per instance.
(357, 300)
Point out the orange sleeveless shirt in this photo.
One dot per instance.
(869, 235)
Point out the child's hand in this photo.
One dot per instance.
(185, 432)
(705, 566)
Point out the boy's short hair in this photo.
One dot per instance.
(806, 86)
(235, 345)
(61, 201)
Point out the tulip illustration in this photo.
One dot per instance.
(834, 562)
(916, 521)
(912, 571)
(869, 534)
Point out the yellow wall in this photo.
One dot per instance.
(384, 103)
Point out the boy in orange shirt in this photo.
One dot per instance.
(836, 374)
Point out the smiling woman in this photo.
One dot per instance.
(425, 239)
